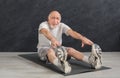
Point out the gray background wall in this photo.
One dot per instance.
(99, 20)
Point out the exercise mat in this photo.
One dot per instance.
(77, 66)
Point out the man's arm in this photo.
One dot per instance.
(48, 35)
(78, 36)
(75, 35)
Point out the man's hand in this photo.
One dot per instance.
(48, 35)
(55, 43)
(86, 41)
(78, 36)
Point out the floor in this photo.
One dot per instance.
(14, 66)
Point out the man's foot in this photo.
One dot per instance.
(61, 53)
(95, 57)
(64, 66)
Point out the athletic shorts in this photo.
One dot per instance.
(42, 53)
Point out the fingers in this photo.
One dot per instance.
(87, 42)
(55, 44)
(90, 42)
(82, 45)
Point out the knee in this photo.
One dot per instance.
(70, 51)
(50, 52)
(51, 55)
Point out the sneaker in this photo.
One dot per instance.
(95, 57)
(61, 53)
(66, 67)
(62, 56)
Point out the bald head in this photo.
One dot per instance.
(54, 13)
(54, 18)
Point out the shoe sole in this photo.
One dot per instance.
(65, 53)
(96, 50)
(67, 67)
(62, 56)
(61, 53)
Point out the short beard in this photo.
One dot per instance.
(52, 27)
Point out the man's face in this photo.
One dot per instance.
(54, 19)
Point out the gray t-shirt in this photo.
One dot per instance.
(56, 32)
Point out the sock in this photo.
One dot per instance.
(85, 59)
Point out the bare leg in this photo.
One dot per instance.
(94, 59)
(74, 53)
(51, 55)
(54, 60)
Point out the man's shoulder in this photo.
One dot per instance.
(43, 25)
(62, 24)
(44, 22)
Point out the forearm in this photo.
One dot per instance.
(76, 35)
(47, 34)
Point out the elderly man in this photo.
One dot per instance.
(50, 38)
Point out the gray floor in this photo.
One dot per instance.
(14, 66)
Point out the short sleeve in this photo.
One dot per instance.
(43, 25)
(65, 28)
